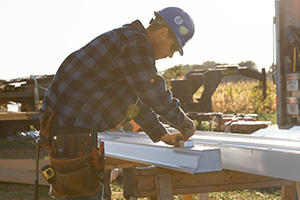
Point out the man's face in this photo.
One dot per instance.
(163, 50)
(164, 45)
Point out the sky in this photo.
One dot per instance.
(37, 35)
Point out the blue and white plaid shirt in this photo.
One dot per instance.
(113, 76)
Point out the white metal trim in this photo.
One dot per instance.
(275, 157)
(139, 148)
(264, 154)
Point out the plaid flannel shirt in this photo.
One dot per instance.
(112, 77)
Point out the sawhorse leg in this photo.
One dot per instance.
(203, 196)
(291, 192)
(164, 188)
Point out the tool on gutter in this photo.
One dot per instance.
(186, 143)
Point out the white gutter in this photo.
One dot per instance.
(256, 154)
(139, 148)
(274, 153)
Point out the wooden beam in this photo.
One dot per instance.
(29, 164)
(113, 163)
(23, 170)
(150, 180)
(21, 164)
(4, 116)
(184, 183)
(20, 176)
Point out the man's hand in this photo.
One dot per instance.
(172, 139)
(187, 128)
(127, 127)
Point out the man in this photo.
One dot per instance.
(114, 77)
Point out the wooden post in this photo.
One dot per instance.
(202, 196)
(288, 192)
(297, 184)
(151, 198)
(163, 185)
(187, 197)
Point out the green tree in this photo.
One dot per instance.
(249, 64)
(209, 64)
(175, 72)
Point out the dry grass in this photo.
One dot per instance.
(244, 97)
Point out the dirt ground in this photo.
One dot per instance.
(20, 149)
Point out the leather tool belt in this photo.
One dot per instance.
(75, 162)
(45, 129)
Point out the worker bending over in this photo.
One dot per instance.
(114, 77)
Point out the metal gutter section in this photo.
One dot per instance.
(137, 147)
(274, 153)
(256, 154)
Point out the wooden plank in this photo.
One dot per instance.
(113, 163)
(163, 187)
(184, 183)
(29, 164)
(21, 164)
(20, 176)
(16, 116)
(23, 170)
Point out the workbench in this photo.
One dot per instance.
(248, 161)
(158, 183)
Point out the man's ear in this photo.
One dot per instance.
(163, 32)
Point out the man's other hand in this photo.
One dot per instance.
(172, 139)
(187, 128)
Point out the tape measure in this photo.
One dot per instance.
(49, 174)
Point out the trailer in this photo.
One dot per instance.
(287, 67)
(201, 108)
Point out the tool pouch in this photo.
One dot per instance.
(71, 158)
(45, 129)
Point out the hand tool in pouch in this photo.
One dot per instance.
(38, 141)
(98, 155)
